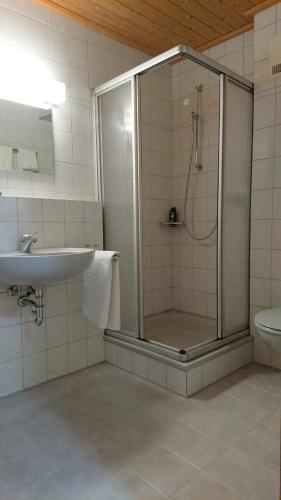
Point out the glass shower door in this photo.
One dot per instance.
(118, 185)
(235, 217)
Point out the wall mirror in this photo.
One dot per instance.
(26, 138)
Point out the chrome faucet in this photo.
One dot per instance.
(26, 242)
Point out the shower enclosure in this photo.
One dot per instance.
(173, 149)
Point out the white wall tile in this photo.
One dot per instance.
(140, 365)
(57, 362)
(78, 53)
(92, 212)
(263, 146)
(10, 343)
(194, 380)
(262, 175)
(56, 331)
(55, 300)
(261, 263)
(176, 380)
(8, 209)
(11, 379)
(77, 355)
(74, 296)
(63, 146)
(34, 369)
(77, 326)
(111, 353)
(9, 311)
(74, 212)
(260, 292)
(157, 372)
(82, 153)
(262, 204)
(58, 45)
(33, 338)
(75, 235)
(36, 37)
(30, 210)
(54, 235)
(265, 17)
(125, 358)
(53, 210)
(95, 349)
(224, 365)
(9, 236)
(241, 356)
(58, 22)
(11, 27)
(262, 41)
(210, 372)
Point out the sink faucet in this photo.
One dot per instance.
(26, 242)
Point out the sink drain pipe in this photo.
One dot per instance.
(37, 306)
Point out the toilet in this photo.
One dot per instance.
(268, 325)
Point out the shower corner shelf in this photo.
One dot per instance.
(171, 224)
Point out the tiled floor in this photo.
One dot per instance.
(102, 434)
(179, 330)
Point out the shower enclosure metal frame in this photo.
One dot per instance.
(132, 76)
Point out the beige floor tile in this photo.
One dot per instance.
(159, 427)
(203, 487)
(193, 414)
(80, 480)
(239, 410)
(271, 424)
(130, 487)
(270, 489)
(259, 447)
(165, 471)
(257, 397)
(262, 377)
(196, 448)
(237, 472)
(130, 447)
(222, 429)
(82, 437)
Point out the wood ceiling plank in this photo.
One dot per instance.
(204, 15)
(62, 10)
(239, 5)
(258, 2)
(226, 37)
(224, 12)
(92, 10)
(183, 32)
(133, 17)
(151, 24)
(259, 7)
(171, 10)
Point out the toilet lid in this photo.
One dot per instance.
(270, 318)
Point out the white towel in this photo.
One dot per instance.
(6, 158)
(102, 291)
(27, 159)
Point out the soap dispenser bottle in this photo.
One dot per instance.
(173, 215)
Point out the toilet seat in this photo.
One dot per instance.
(269, 321)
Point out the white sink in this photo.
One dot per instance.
(43, 267)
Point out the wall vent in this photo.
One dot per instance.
(275, 56)
(276, 68)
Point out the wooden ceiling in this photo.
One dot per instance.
(154, 26)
